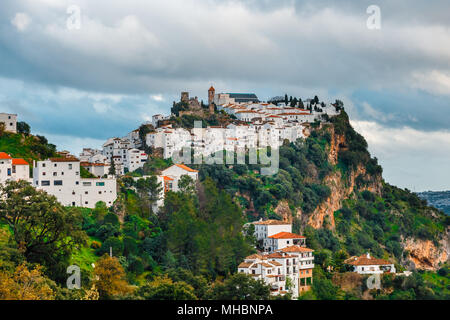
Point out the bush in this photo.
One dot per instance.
(95, 245)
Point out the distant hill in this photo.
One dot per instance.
(437, 199)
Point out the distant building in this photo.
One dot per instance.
(292, 261)
(13, 169)
(61, 177)
(366, 264)
(170, 178)
(10, 121)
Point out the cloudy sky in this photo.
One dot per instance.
(130, 59)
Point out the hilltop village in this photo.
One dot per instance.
(236, 122)
(250, 123)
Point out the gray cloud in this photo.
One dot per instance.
(67, 82)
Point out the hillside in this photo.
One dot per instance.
(333, 192)
(328, 186)
(26, 146)
(437, 199)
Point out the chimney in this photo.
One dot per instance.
(368, 255)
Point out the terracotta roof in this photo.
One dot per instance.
(245, 265)
(182, 166)
(166, 178)
(20, 162)
(212, 89)
(271, 222)
(286, 235)
(91, 164)
(4, 155)
(255, 256)
(296, 249)
(366, 260)
(73, 159)
(276, 263)
(266, 265)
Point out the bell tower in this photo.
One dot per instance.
(211, 94)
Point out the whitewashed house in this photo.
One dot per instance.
(170, 178)
(10, 121)
(366, 264)
(13, 169)
(135, 159)
(61, 177)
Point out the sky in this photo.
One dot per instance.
(81, 81)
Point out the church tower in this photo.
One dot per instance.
(211, 94)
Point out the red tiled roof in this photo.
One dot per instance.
(4, 155)
(296, 249)
(366, 261)
(20, 162)
(182, 166)
(286, 235)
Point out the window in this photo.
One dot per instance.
(43, 165)
(45, 183)
(43, 173)
(55, 165)
(86, 192)
(58, 183)
(70, 166)
(87, 184)
(55, 174)
(100, 184)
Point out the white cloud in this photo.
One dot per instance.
(100, 107)
(21, 21)
(435, 81)
(411, 158)
(157, 97)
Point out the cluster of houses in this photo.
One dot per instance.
(118, 152)
(256, 125)
(284, 262)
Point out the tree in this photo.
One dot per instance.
(149, 190)
(163, 288)
(25, 284)
(240, 287)
(46, 231)
(186, 185)
(112, 167)
(23, 127)
(109, 278)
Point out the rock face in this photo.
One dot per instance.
(341, 187)
(284, 211)
(425, 255)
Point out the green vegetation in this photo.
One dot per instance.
(26, 146)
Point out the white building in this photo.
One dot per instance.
(282, 240)
(10, 121)
(61, 177)
(135, 159)
(13, 169)
(170, 178)
(295, 263)
(97, 169)
(265, 229)
(367, 264)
